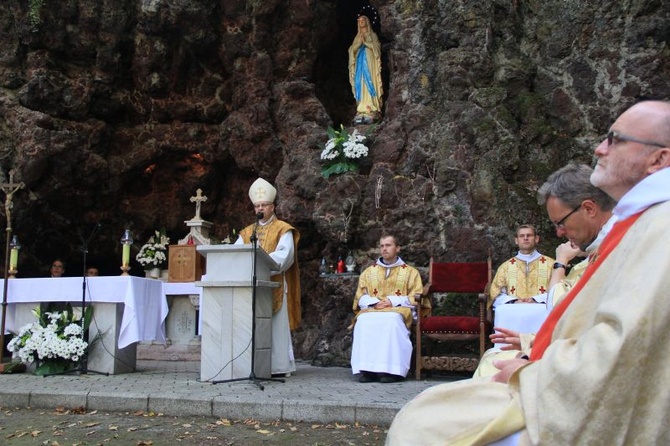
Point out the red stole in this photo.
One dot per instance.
(543, 337)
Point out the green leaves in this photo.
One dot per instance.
(56, 342)
(339, 168)
(53, 366)
(342, 152)
(337, 134)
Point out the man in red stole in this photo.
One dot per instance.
(565, 190)
(598, 364)
(280, 240)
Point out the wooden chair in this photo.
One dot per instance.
(468, 278)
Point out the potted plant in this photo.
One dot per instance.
(342, 152)
(153, 255)
(55, 342)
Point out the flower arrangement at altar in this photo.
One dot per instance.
(342, 152)
(54, 342)
(154, 252)
(230, 238)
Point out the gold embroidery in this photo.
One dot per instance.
(381, 280)
(542, 271)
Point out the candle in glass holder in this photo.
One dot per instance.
(13, 259)
(14, 253)
(125, 259)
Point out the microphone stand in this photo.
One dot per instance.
(83, 361)
(252, 376)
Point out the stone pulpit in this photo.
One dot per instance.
(227, 312)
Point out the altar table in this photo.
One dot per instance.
(173, 289)
(127, 309)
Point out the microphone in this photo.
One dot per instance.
(254, 238)
(85, 243)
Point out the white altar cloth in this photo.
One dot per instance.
(181, 289)
(145, 306)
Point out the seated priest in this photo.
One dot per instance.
(594, 370)
(564, 190)
(384, 304)
(523, 279)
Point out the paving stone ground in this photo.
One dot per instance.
(311, 394)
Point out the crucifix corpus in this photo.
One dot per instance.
(10, 188)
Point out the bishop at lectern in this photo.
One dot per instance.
(280, 241)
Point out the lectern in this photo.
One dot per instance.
(226, 312)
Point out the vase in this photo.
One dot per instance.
(153, 273)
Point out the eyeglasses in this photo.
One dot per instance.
(614, 137)
(561, 223)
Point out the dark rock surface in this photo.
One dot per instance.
(116, 112)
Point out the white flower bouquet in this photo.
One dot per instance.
(342, 151)
(154, 253)
(54, 342)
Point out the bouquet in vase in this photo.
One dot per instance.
(55, 342)
(154, 253)
(342, 152)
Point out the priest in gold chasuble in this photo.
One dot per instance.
(598, 367)
(525, 276)
(280, 240)
(386, 293)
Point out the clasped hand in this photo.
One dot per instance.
(383, 304)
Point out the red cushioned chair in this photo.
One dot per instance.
(467, 278)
